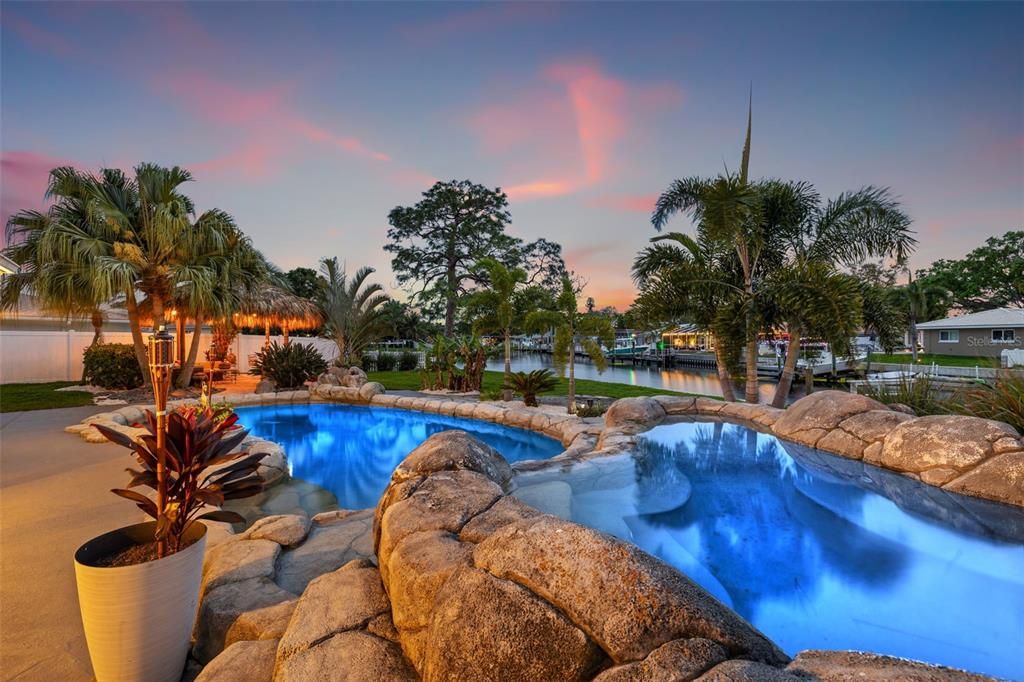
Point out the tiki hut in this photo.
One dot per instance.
(273, 306)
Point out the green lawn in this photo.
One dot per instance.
(941, 360)
(23, 397)
(410, 381)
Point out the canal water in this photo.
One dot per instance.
(686, 380)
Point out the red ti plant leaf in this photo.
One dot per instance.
(196, 443)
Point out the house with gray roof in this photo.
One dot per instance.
(984, 334)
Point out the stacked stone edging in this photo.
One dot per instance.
(965, 455)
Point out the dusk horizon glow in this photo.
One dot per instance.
(309, 122)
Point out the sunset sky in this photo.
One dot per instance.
(310, 121)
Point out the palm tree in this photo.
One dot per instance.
(498, 304)
(812, 298)
(139, 234)
(573, 329)
(811, 241)
(682, 278)
(240, 273)
(920, 301)
(354, 316)
(728, 210)
(60, 285)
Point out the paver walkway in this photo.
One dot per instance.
(54, 495)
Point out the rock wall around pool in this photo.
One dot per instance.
(965, 455)
(471, 584)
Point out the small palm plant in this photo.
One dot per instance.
(354, 314)
(573, 330)
(202, 470)
(530, 384)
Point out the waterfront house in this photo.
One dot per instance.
(984, 334)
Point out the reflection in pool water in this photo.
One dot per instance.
(351, 450)
(801, 545)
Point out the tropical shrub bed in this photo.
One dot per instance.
(289, 365)
(112, 365)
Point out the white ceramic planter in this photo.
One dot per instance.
(138, 619)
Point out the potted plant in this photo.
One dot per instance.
(138, 586)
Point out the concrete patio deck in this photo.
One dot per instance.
(53, 497)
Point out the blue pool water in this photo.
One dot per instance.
(816, 551)
(351, 450)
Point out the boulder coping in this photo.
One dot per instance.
(464, 582)
(965, 455)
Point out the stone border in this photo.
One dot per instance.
(470, 583)
(964, 455)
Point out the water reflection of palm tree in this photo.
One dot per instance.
(758, 534)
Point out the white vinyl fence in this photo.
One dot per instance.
(36, 356)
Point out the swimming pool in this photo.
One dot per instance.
(805, 547)
(351, 450)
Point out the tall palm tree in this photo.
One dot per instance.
(573, 329)
(682, 278)
(811, 242)
(239, 272)
(134, 234)
(353, 314)
(728, 209)
(498, 304)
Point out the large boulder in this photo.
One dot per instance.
(419, 566)
(810, 418)
(485, 628)
(284, 529)
(354, 655)
(346, 599)
(332, 542)
(632, 415)
(453, 451)
(952, 442)
(249, 610)
(627, 600)
(370, 389)
(354, 377)
(446, 501)
(680, 659)
(239, 560)
(840, 666)
(1000, 478)
(245, 661)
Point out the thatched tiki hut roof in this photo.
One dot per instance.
(273, 306)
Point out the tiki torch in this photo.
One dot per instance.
(161, 360)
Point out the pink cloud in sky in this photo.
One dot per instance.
(636, 203)
(23, 179)
(39, 38)
(574, 119)
(264, 116)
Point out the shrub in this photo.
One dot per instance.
(196, 441)
(595, 410)
(529, 385)
(1003, 400)
(386, 361)
(367, 362)
(289, 366)
(112, 365)
(919, 393)
(408, 361)
(491, 395)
